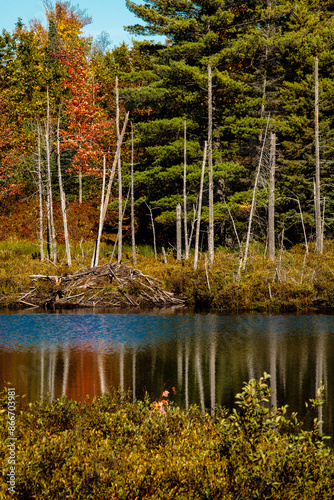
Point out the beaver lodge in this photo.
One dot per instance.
(108, 286)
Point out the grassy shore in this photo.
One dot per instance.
(112, 448)
(295, 282)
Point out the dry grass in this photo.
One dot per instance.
(294, 282)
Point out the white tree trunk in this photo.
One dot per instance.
(63, 200)
(178, 232)
(120, 201)
(318, 230)
(40, 193)
(185, 221)
(96, 254)
(120, 213)
(253, 199)
(133, 240)
(52, 232)
(210, 168)
(80, 184)
(153, 231)
(303, 225)
(199, 212)
(111, 178)
(271, 204)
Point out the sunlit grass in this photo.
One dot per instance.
(295, 281)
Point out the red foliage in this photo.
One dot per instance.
(10, 156)
(87, 124)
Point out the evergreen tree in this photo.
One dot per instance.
(307, 32)
(198, 33)
(262, 55)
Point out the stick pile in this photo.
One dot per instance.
(111, 285)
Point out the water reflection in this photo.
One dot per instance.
(206, 357)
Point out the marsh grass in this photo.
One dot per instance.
(295, 282)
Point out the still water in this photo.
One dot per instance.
(206, 357)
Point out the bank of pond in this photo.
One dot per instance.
(295, 282)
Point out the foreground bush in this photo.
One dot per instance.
(112, 448)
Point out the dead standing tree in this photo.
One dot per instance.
(51, 239)
(210, 169)
(318, 225)
(253, 201)
(185, 221)
(63, 199)
(271, 204)
(106, 198)
(119, 168)
(133, 240)
(199, 212)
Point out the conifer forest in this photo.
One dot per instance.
(227, 120)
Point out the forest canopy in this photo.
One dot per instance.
(58, 113)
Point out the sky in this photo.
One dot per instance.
(108, 15)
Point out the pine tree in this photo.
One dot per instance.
(198, 34)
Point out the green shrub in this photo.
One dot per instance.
(113, 448)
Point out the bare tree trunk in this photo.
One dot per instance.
(319, 248)
(111, 178)
(199, 212)
(40, 193)
(271, 204)
(134, 257)
(192, 228)
(185, 221)
(278, 269)
(164, 255)
(116, 241)
(80, 184)
(96, 253)
(323, 224)
(153, 231)
(302, 219)
(120, 204)
(253, 200)
(63, 199)
(178, 232)
(53, 246)
(234, 227)
(211, 226)
(120, 213)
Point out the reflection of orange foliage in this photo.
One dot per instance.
(24, 371)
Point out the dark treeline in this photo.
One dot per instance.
(227, 73)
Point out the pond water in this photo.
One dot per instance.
(206, 357)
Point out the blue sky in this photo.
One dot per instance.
(108, 15)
